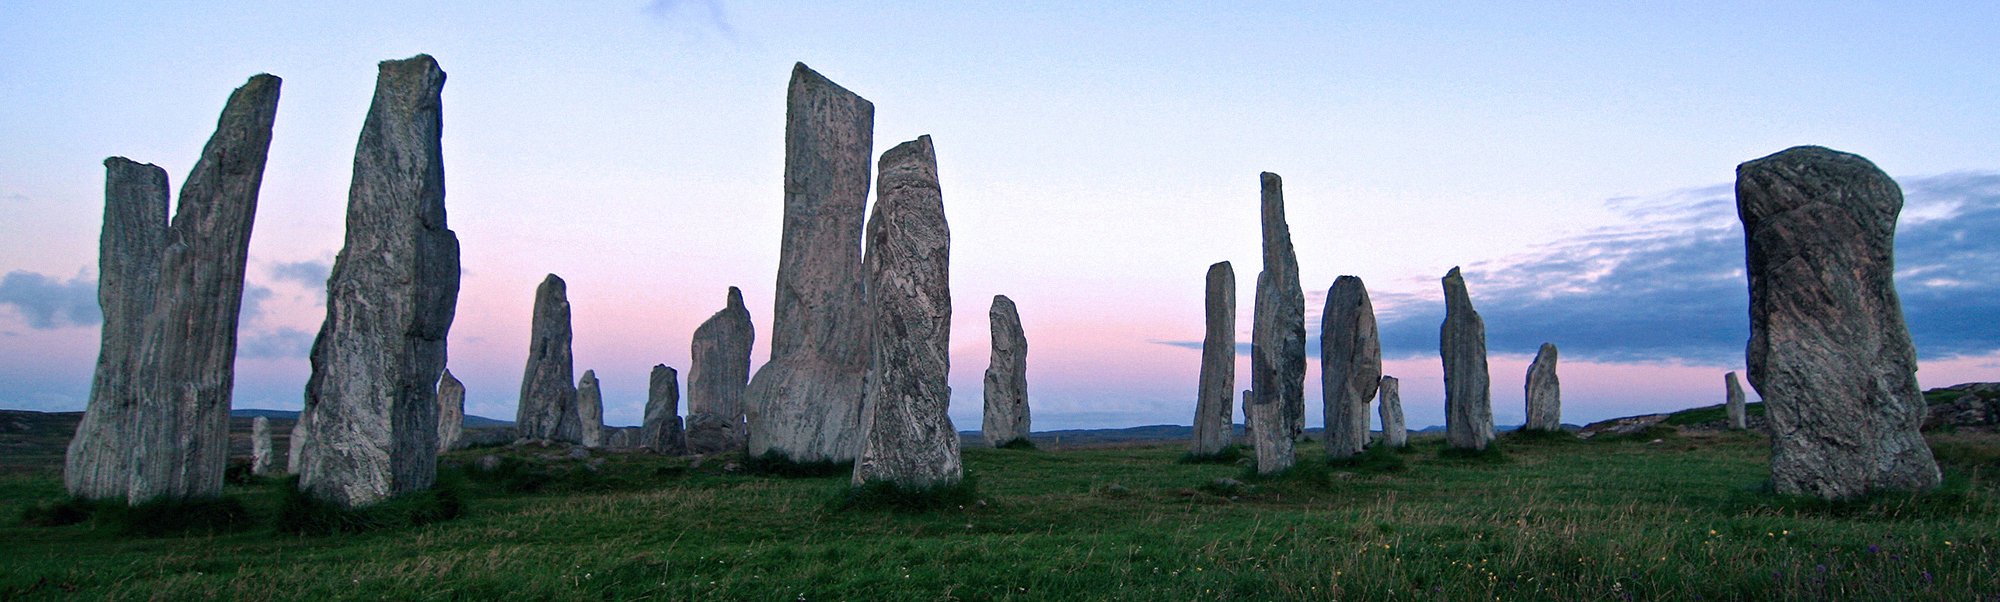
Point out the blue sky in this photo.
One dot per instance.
(1095, 157)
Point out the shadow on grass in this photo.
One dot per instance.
(304, 514)
(1020, 443)
(158, 518)
(1959, 496)
(1377, 459)
(893, 497)
(1228, 455)
(1456, 456)
(776, 464)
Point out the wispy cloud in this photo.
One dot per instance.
(311, 274)
(47, 302)
(280, 343)
(709, 10)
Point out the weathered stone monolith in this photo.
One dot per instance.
(1350, 365)
(547, 408)
(590, 410)
(1278, 332)
(1468, 392)
(1266, 429)
(662, 429)
(1828, 348)
(805, 403)
(99, 463)
(390, 303)
(1394, 433)
(261, 460)
(187, 350)
(1544, 391)
(295, 445)
(1214, 426)
(1738, 417)
(718, 370)
(1006, 417)
(451, 412)
(908, 437)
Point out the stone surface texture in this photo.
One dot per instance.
(451, 412)
(547, 407)
(1544, 391)
(1733, 402)
(1006, 417)
(590, 410)
(296, 445)
(908, 436)
(718, 371)
(1278, 332)
(805, 403)
(1468, 391)
(1828, 348)
(99, 463)
(1350, 365)
(661, 431)
(389, 306)
(1395, 433)
(262, 461)
(1266, 429)
(1214, 420)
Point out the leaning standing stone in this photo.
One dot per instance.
(718, 370)
(390, 303)
(261, 462)
(590, 410)
(1394, 433)
(99, 463)
(1738, 418)
(1278, 333)
(1214, 427)
(451, 412)
(908, 436)
(1544, 391)
(662, 429)
(1006, 376)
(1828, 348)
(1350, 365)
(547, 408)
(1468, 394)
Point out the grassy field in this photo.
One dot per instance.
(1680, 518)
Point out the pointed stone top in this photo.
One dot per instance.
(554, 280)
(590, 375)
(447, 375)
(1548, 349)
(804, 78)
(915, 161)
(735, 298)
(1002, 300)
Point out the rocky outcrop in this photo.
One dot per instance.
(1214, 423)
(1828, 349)
(262, 462)
(908, 437)
(662, 429)
(451, 412)
(805, 403)
(1394, 432)
(1266, 429)
(1544, 391)
(99, 462)
(547, 408)
(718, 371)
(1733, 392)
(590, 410)
(1350, 365)
(390, 303)
(1468, 394)
(1006, 417)
(1278, 332)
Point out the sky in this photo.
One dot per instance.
(1094, 157)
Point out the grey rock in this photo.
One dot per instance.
(1828, 348)
(1278, 332)
(547, 408)
(261, 460)
(451, 412)
(1394, 432)
(98, 464)
(1970, 409)
(1544, 391)
(296, 444)
(390, 303)
(1350, 365)
(1214, 422)
(187, 352)
(1006, 416)
(908, 437)
(1267, 433)
(623, 438)
(718, 371)
(805, 403)
(1468, 391)
(1733, 392)
(662, 430)
(577, 453)
(487, 463)
(589, 410)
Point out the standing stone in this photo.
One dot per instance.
(1278, 334)
(1828, 348)
(261, 461)
(99, 462)
(1394, 433)
(908, 436)
(1468, 393)
(1267, 433)
(451, 412)
(1006, 376)
(389, 304)
(1544, 391)
(590, 410)
(662, 429)
(296, 445)
(718, 370)
(187, 350)
(1738, 418)
(1214, 427)
(805, 403)
(1350, 365)
(547, 409)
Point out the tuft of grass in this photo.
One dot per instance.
(1956, 498)
(68, 511)
(777, 464)
(895, 497)
(1492, 455)
(1228, 455)
(1020, 443)
(304, 514)
(1377, 459)
(169, 518)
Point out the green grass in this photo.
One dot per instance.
(1020, 443)
(1714, 413)
(1553, 521)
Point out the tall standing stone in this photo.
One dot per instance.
(547, 409)
(1738, 417)
(662, 429)
(99, 463)
(718, 371)
(451, 412)
(1214, 427)
(187, 350)
(1278, 333)
(1468, 391)
(389, 304)
(1006, 417)
(261, 460)
(1394, 433)
(908, 436)
(1828, 348)
(1544, 391)
(805, 403)
(590, 410)
(1350, 365)
(1266, 427)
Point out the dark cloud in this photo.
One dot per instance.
(311, 274)
(47, 302)
(282, 343)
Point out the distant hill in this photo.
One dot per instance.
(471, 421)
